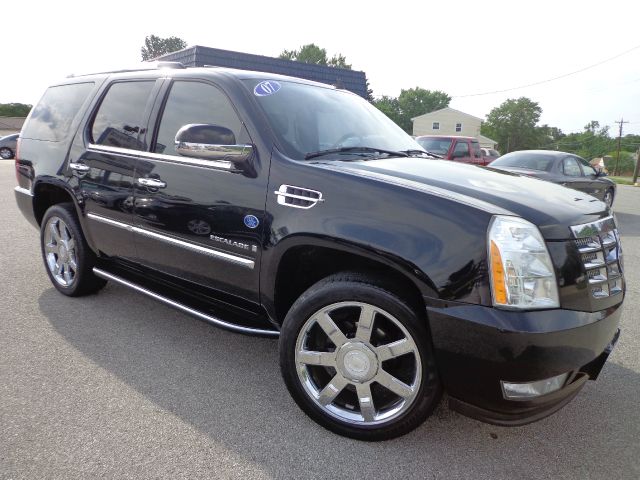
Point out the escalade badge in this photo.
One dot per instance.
(233, 243)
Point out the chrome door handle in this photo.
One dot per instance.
(79, 167)
(152, 182)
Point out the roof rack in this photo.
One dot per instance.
(176, 65)
(142, 68)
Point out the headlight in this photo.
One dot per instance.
(521, 270)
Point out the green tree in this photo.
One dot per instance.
(410, 104)
(14, 109)
(390, 107)
(155, 46)
(312, 53)
(513, 124)
(549, 137)
(418, 101)
(593, 141)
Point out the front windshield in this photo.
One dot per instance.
(439, 146)
(309, 118)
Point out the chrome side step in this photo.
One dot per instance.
(202, 316)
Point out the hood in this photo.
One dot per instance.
(551, 207)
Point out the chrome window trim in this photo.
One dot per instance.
(217, 164)
(243, 262)
(203, 316)
(23, 191)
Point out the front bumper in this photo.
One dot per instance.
(477, 347)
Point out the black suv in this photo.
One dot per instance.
(280, 207)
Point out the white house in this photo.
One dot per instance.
(449, 121)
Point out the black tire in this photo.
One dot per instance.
(6, 153)
(609, 197)
(355, 288)
(80, 280)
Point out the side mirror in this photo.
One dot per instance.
(212, 142)
(600, 172)
(459, 155)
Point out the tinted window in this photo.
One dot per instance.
(571, 167)
(588, 169)
(193, 102)
(461, 150)
(119, 121)
(51, 119)
(530, 160)
(475, 146)
(439, 146)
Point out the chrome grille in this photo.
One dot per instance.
(599, 247)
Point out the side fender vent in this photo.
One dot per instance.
(298, 197)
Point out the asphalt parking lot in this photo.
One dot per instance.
(117, 385)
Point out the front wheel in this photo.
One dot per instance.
(67, 257)
(608, 197)
(358, 360)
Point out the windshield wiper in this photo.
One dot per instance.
(421, 152)
(354, 150)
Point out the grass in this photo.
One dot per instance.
(623, 180)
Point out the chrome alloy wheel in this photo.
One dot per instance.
(358, 363)
(60, 251)
(608, 198)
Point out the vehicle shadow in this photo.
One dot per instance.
(228, 386)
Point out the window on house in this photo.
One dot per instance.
(435, 126)
(458, 127)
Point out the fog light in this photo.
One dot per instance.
(526, 391)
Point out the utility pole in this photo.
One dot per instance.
(635, 170)
(621, 122)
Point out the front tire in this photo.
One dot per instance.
(608, 197)
(67, 258)
(357, 359)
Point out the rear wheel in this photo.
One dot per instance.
(67, 257)
(358, 360)
(6, 153)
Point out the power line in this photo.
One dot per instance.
(550, 79)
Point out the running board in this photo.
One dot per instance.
(183, 308)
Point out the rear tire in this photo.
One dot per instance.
(358, 360)
(6, 153)
(67, 258)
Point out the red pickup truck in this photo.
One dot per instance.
(458, 149)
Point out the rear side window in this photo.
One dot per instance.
(51, 119)
(194, 102)
(475, 146)
(119, 121)
(461, 149)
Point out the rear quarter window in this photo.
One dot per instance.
(52, 117)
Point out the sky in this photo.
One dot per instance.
(462, 47)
